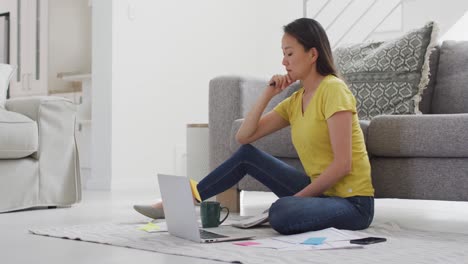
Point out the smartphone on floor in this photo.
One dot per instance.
(367, 240)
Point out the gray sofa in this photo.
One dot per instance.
(412, 156)
(38, 154)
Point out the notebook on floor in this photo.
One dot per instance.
(181, 218)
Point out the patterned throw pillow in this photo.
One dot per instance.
(388, 77)
(6, 72)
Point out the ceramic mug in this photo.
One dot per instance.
(210, 213)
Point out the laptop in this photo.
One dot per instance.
(181, 218)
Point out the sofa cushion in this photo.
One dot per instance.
(420, 178)
(451, 90)
(388, 77)
(18, 135)
(429, 136)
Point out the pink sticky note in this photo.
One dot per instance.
(246, 243)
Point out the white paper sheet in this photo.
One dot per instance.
(331, 234)
(326, 245)
(335, 239)
(270, 243)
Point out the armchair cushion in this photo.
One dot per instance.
(18, 135)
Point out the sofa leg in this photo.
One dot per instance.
(230, 199)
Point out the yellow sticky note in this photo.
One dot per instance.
(149, 227)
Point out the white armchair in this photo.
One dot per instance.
(39, 163)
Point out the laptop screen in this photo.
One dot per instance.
(179, 209)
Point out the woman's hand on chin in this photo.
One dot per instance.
(278, 83)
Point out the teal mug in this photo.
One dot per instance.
(210, 213)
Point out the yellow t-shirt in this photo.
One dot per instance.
(310, 136)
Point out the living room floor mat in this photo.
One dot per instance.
(402, 246)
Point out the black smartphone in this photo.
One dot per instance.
(368, 240)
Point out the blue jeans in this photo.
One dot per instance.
(289, 214)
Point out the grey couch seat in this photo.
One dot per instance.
(18, 135)
(430, 136)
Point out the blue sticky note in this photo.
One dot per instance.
(314, 241)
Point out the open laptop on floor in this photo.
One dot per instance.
(181, 218)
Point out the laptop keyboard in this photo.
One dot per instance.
(208, 235)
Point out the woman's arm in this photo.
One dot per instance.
(255, 125)
(267, 124)
(340, 131)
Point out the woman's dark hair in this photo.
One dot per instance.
(310, 34)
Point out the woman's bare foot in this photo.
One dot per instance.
(158, 205)
(150, 211)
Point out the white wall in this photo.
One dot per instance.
(459, 31)
(102, 54)
(445, 13)
(165, 53)
(348, 21)
(69, 41)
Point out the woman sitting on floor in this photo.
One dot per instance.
(336, 190)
